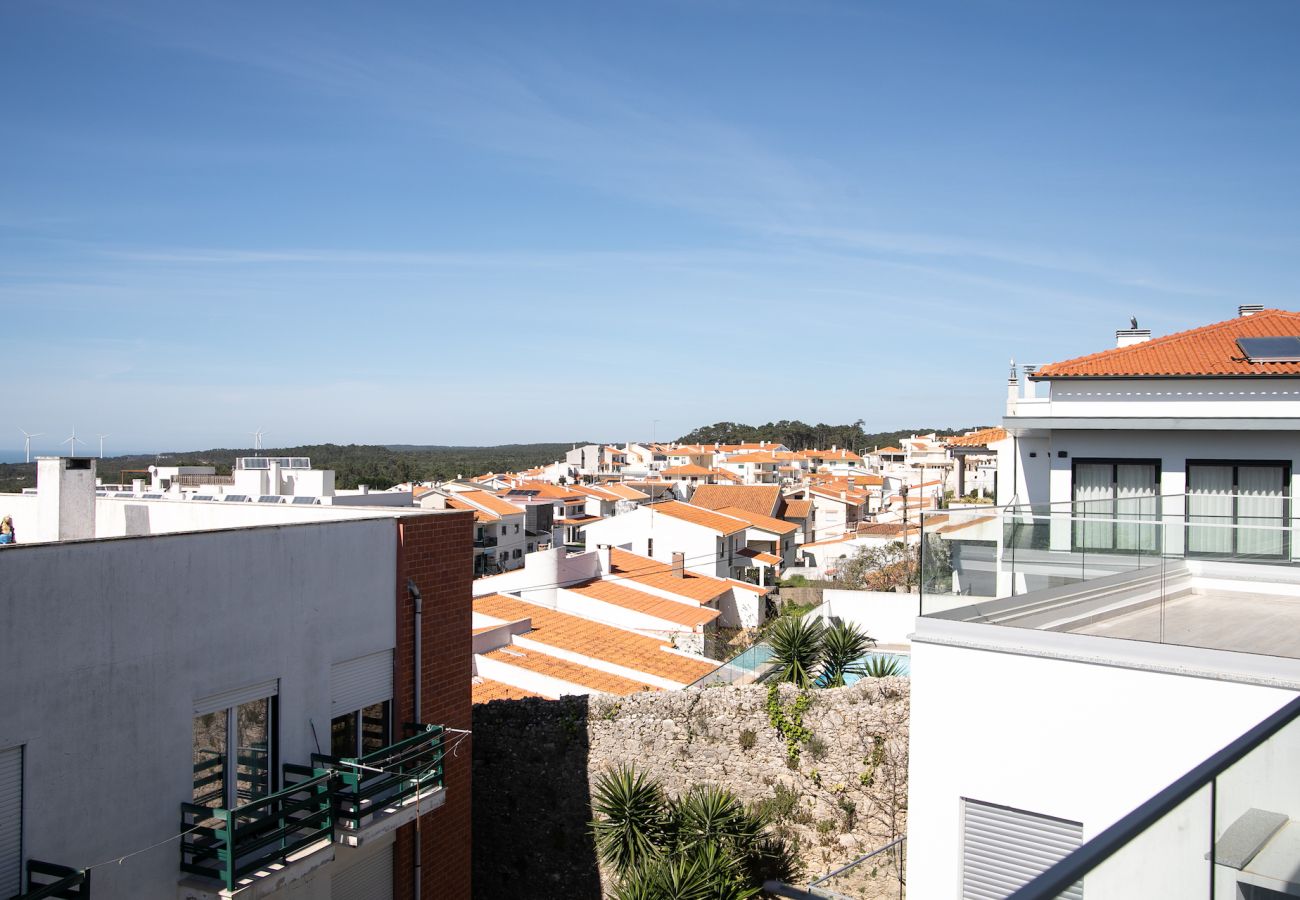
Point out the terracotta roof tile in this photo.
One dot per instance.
(796, 509)
(486, 690)
(652, 573)
(625, 493)
(767, 523)
(981, 438)
(687, 470)
(657, 607)
(756, 498)
(1208, 351)
(761, 556)
(594, 639)
(545, 664)
(707, 518)
(490, 502)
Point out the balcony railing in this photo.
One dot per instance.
(49, 880)
(1144, 570)
(201, 480)
(232, 844)
(387, 779)
(1229, 828)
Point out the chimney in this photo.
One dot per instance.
(65, 498)
(603, 559)
(365, 488)
(1127, 337)
(1249, 309)
(679, 564)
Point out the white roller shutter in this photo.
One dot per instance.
(357, 683)
(1004, 849)
(11, 821)
(236, 696)
(369, 879)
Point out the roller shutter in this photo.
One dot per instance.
(11, 821)
(227, 699)
(357, 683)
(1004, 849)
(369, 879)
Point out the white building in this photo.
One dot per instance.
(1145, 613)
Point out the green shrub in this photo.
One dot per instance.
(748, 739)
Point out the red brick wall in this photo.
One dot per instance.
(436, 551)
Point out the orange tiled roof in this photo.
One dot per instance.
(486, 690)
(762, 456)
(761, 556)
(767, 523)
(756, 498)
(981, 438)
(796, 509)
(687, 470)
(647, 604)
(490, 502)
(654, 574)
(544, 664)
(707, 518)
(891, 451)
(580, 520)
(624, 492)
(479, 514)
(1210, 350)
(594, 639)
(730, 476)
(545, 489)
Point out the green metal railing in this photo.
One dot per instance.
(230, 844)
(48, 880)
(409, 767)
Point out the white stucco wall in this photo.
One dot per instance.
(888, 617)
(1079, 741)
(105, 646)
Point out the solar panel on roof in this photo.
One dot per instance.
(203, 497)
(304, 500)
(1283, 348)
(236, 498)
(269, 498)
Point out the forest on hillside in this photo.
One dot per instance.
(801, 436)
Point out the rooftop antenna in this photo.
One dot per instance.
(101, 444)
(27, 443)
(72, 442)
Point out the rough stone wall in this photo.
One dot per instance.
(535, 761)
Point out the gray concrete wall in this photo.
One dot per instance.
(105, 646)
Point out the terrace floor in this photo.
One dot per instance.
(1222, 620)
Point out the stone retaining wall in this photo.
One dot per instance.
(535, 760)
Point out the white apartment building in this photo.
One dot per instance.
(1143, 611)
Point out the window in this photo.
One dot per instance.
(1221, 495)
(1004, 849)
(241, 733)
(1121, 498)
(11, 821)
(650, 547)
(516, 528)
(361, 732)
(503, 529)
(515, 554)
(361, 690)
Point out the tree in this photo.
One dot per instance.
(796, 648)
(843, 645)
(882, 568)
(705, 845)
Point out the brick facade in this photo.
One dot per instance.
(436, 551)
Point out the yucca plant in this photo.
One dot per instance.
(882, 667)
(796, 649)
(843, 646)
(631, 818)
(712, 814)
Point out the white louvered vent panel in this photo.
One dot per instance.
(370, 879)
(11, 821)
(1004, 849)
(358, 683)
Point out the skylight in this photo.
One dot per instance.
(1283, 348)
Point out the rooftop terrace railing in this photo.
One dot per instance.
(389, 777)
(1228, 829)
(878, 875)
(1133, 572)
(264, 462)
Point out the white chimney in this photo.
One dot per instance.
(1127, 337)
(679, 564)
(65, 498)
(603, 558)
(1249, 309)
(273, 480)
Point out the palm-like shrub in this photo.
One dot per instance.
(796, 648)
(842, 646)
(882, 667)
(631, 818)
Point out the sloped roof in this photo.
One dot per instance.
(648, 604)
(767, 523)
(705, 518)
(755, 498)
(490, 502)
(574, 673)
(761, 556)
(479, 514)
(642, 570)
(687, 470)
(486, 690)
(796, 509)
(1208, 351)
(981, 438)
(624, 492)
(594, 639)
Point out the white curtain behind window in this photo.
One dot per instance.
(1136, 507)
(1209, 509)
(1094, 498)
(1260, 502)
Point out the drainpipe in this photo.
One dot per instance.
(414, 593)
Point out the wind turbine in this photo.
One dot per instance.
(257, 439)
(101, 444)
(27, 443)
(73, 442)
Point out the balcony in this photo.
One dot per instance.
(386, 789)
(1170, 578)
(1230, 827)
(484, 540)
(259, 847)
(49, 880)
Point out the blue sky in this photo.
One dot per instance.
(494, 222)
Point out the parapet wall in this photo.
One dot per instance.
(536, 760)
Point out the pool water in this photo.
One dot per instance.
(904, 663)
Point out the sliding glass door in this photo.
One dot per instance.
(1238, 509)
(1117, 506)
